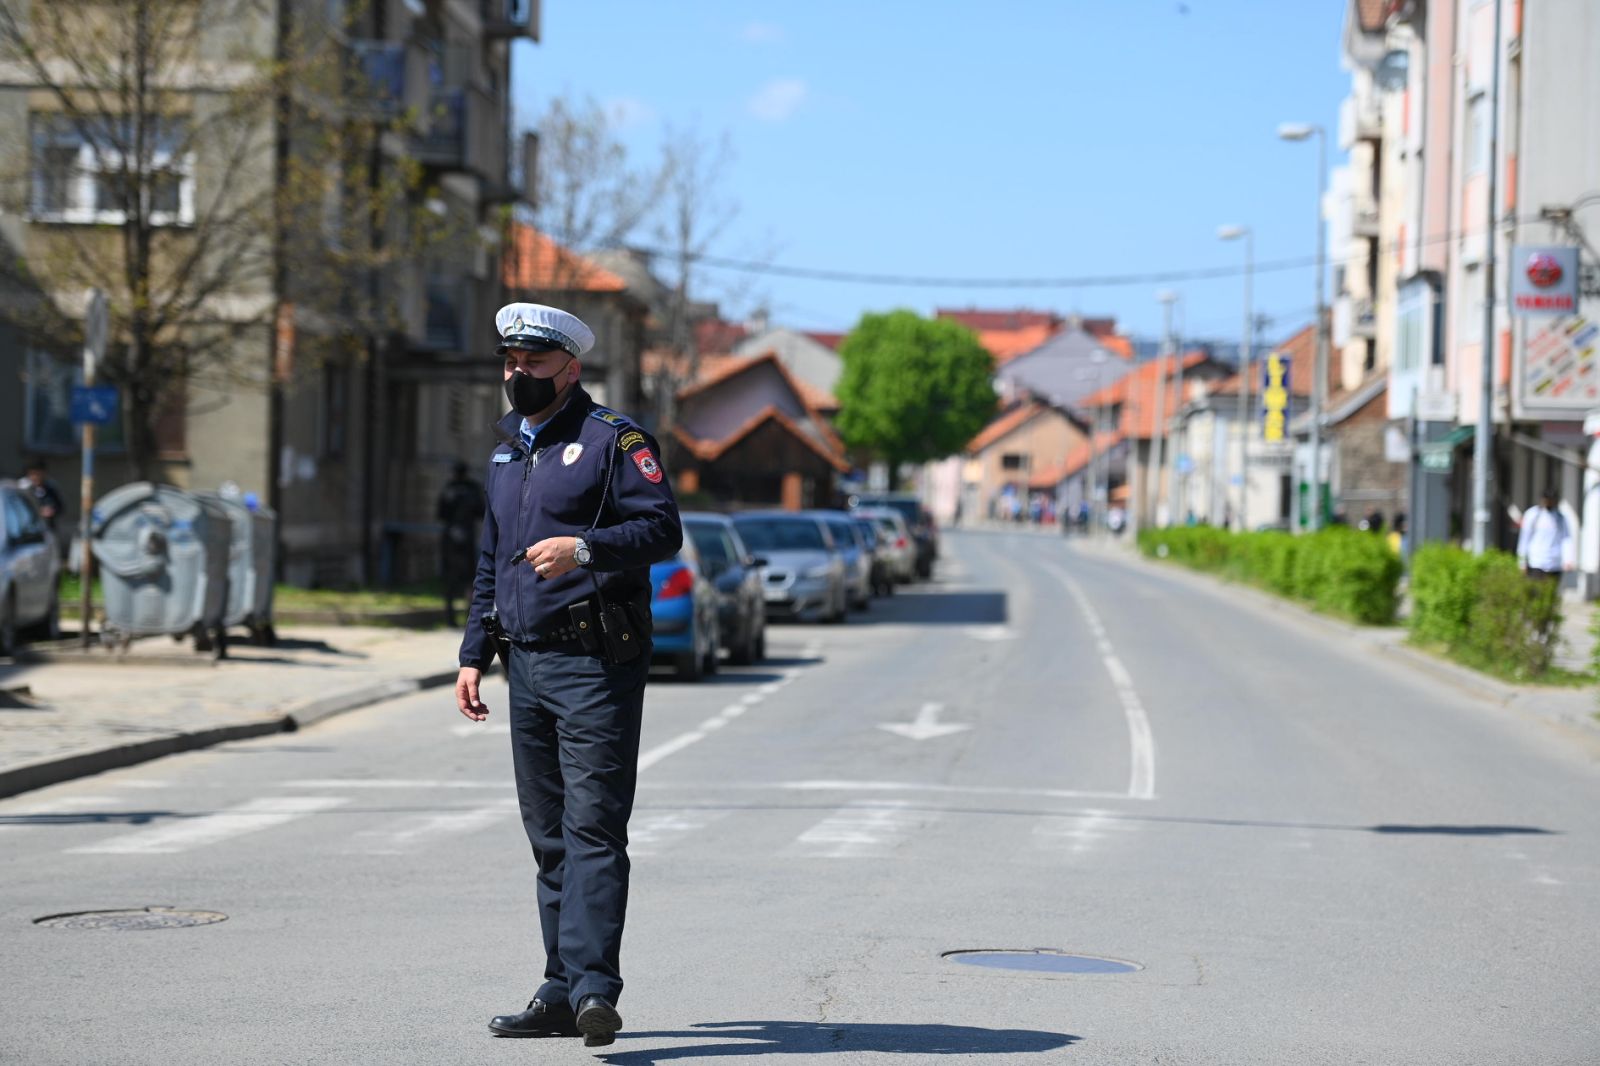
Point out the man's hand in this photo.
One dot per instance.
(467, 701)
(554, 556)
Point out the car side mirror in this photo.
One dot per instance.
(756, 562)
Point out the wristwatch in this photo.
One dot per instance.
(582, 553)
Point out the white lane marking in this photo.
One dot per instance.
(861, 830)
(888, 786)
(209, 829)
(735, 710)
(1080, 833)
(926, 726)
(670, 747)
(1142, 747)
(481, 729)
(414, 832)
(991, 633)
(650, 833)
(47, 808)
(388, 782)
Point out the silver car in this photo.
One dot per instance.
(805, 576)
(901, 547)
(29, 567)
(849, 543)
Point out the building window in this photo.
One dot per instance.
(1477, 133)
(47, 398)
(80, 170)
(1013, 461)
(335, 409)
(1471, 321)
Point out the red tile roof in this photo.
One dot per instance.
(716, 337)
(714, 370)
(1007, 334)
(710, 451)
(534, 262)
(1302, 351)
(1136, 392)
(1003, 426)
(827, 340)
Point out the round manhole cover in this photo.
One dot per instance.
(1040, 960)
(131, 919)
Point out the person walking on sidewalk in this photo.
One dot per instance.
(578, 509)
(460, 509)
(1545, 539)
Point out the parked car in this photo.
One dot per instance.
(805, 575)
(684, 606)
(849, 543)
(895, 537)
(30, 565)
(924, 532)
(736, 575)
(882, 563)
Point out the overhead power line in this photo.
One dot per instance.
(1087, 281)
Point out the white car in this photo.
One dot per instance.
(893, 531)
(30, 565)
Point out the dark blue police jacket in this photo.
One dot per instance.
(559, 491)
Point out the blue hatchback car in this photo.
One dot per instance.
(684, 607)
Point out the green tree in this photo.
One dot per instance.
(913, 389)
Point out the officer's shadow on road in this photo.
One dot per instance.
(816, 1038)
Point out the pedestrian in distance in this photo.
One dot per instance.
(46, 497)
(1545, 540)
(459, 511)
(578, 508)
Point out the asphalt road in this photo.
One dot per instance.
(1314, 857)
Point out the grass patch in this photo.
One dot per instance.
(423, 596)
(1551, 677)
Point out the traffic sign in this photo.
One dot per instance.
(94, 404)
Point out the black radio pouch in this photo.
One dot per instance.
(605, 629)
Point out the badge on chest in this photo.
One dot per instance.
(571, 453)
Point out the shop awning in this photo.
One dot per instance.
(1437, 456)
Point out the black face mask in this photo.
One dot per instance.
(530, 395)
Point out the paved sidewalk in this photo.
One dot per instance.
(81, 713)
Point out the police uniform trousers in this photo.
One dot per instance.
(575, 723)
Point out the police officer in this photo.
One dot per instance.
(578, 509)
(459, 511)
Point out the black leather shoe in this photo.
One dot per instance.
(598, 1021)
(540, 1019)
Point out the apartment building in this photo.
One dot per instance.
(342, 386)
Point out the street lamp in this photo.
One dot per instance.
(1233, 233)
(1158, 427)
(1300, 131)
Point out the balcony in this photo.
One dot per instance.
(1364, 219)
(465, 133)
(505, 19)
(1360, 119)
(1363, 318)
(385, 79)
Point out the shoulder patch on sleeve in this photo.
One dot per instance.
(610, 418)
(647, 465)
(631, 439)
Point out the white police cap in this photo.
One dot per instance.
(528, 325)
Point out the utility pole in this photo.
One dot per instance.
(1300, 132)
(96, 329)
(1483, 440)
(1158, 424)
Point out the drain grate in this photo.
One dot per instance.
(1039, 960)
(131, 919)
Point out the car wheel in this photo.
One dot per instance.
(759, 648)
(8, 626)
(744, 652)
(840, 607)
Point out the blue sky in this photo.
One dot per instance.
(1054, 139)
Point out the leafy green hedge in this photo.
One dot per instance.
(1340, 571)
(1484, 611)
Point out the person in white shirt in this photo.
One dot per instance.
(1543, 544)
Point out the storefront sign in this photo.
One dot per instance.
(1275, 397)
(1544, 279)
(1560, 371)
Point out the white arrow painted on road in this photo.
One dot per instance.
(926, 726)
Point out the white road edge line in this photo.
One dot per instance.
(1141, 743)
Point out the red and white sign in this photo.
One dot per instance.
(1544, 280)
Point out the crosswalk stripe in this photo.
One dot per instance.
(189, 833)
(863, 830)
(651, 832)
(415, 832)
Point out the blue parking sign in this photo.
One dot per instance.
(94, 404)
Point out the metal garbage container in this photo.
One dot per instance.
(163, 559)
(250, 559)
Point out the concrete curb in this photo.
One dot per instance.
(291, 717)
